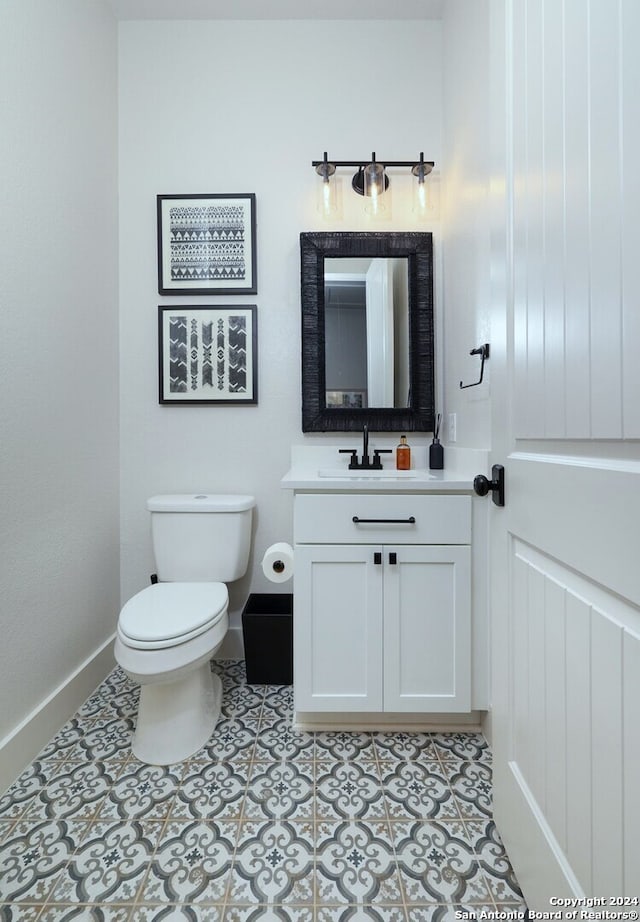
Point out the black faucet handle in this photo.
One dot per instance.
(377, 463)
(353, 463)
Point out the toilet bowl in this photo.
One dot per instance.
(168, 633)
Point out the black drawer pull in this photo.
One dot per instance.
(410, 521)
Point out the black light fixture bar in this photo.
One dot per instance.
(363, 163)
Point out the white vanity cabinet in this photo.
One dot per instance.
(382, 603)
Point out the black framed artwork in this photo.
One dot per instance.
(207, 355)
(206, 244)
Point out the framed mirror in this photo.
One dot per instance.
(367, 332)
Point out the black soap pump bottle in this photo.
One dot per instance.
(436, 451)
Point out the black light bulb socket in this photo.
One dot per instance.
(422, 168)
(357, 183)
(325, 169)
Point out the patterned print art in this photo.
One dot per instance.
(207, 354)
(206, 244)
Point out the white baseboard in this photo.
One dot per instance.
(232, 645)
(25, 741)
(487, 726)
(387, 722)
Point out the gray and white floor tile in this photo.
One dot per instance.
(266, 823)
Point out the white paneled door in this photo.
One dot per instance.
(565, 549)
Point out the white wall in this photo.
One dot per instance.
(58, 298)
(465, 217)
(465, 249)
(245, 107)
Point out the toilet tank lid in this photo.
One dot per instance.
(201, 502)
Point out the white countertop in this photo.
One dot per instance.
(322, 468)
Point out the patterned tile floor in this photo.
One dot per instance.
(264, 823)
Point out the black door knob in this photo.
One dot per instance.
(482, 485)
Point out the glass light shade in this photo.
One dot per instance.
(327, 204)
(374, 187)
(421, 188)
(421, 197)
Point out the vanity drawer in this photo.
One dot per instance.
(329, 519)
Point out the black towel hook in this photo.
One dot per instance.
(482, 351)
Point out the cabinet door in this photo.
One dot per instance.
(338, 628)
(427, 627)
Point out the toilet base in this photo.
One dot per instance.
(175, 719)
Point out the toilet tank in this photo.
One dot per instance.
(203, 537)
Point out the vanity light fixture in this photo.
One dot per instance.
(371, 180)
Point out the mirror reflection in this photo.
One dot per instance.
(366, 318)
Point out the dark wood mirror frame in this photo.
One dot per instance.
(418, 249)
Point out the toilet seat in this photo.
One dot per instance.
(167, 614)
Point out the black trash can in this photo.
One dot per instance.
(267, 629)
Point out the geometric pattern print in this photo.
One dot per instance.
(191, 363)
(207, 359)
(220, 354)
(207, 243)
(178, 355)
(237, 354)
(194, 354)
(266, 822)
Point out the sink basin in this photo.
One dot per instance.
(344, 473)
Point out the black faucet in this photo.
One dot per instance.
(365, 464)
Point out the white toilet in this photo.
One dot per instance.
(168, 633)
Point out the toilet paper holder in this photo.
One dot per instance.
(277, 562)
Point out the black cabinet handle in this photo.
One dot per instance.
(393, 558)
(410, 521)
(377, 558)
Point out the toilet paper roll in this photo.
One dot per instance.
(277, 563)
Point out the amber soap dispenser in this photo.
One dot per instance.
(403, 455)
